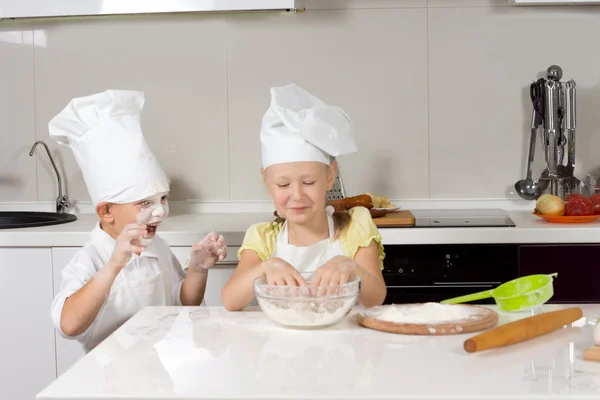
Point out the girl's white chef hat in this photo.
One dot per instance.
(103, 131)
(300, 127)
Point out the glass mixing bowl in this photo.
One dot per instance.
(306, 306)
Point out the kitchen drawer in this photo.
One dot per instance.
(28, 362)
(576, 265)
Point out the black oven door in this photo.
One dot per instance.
(431, 273)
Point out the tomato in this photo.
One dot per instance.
(573, 196)
(580, 206)
(595, 198)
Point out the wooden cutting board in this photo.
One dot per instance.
(483, 318)
(396, 218)
(592, 353)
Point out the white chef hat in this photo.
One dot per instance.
(104, 132)
(300, 127)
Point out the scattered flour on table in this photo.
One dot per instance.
(428, 313)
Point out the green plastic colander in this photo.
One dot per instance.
(516, 295)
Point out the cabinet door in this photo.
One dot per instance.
(576, 265)
(68, 352)
(28, 364)
(217, 276)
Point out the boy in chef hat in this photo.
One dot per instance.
(300, 137)
(126, 266)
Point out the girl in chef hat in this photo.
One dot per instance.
(300, 137)
(125, 266)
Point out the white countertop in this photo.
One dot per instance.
(177, 230)
(183, 229)
(169, 353)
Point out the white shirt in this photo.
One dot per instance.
(96, 253)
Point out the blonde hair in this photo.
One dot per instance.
(341, 222)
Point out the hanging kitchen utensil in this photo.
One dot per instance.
(561, 140)
(570, 106)
(517, 295)
(554, 73)
(524, 329)
(537, 92)
(571, 126)
(527, 188)
(551, 127)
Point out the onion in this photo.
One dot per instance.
(549, 204)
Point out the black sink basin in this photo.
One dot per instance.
(30, 219)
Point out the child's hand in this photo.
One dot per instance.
(279, 272)
(128, 242)
(206, 253)
(336, 271)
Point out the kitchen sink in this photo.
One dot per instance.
(30, 219)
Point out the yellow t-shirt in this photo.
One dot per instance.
(361, 231)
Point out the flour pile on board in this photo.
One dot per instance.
(428, 313)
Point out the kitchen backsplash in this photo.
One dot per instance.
(438, 92)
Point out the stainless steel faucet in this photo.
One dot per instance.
(62, 201)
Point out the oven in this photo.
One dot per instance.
(423, 273)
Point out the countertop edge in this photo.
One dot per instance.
(181, 230)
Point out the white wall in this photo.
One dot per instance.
(438, 91)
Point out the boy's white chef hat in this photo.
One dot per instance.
(300, 127)
(104, 132)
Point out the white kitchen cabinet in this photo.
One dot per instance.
(67, 351)
(27, 337)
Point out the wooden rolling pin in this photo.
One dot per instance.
(524, 329)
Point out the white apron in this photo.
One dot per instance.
(307, 259)
(130, 292)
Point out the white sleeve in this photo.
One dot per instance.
(76, 274)
(177, 277)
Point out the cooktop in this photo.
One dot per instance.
(474, 218)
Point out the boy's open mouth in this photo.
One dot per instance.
(151, 229)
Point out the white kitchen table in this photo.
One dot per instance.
(192, 353)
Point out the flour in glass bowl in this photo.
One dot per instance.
(427, 313)
(307, 314)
